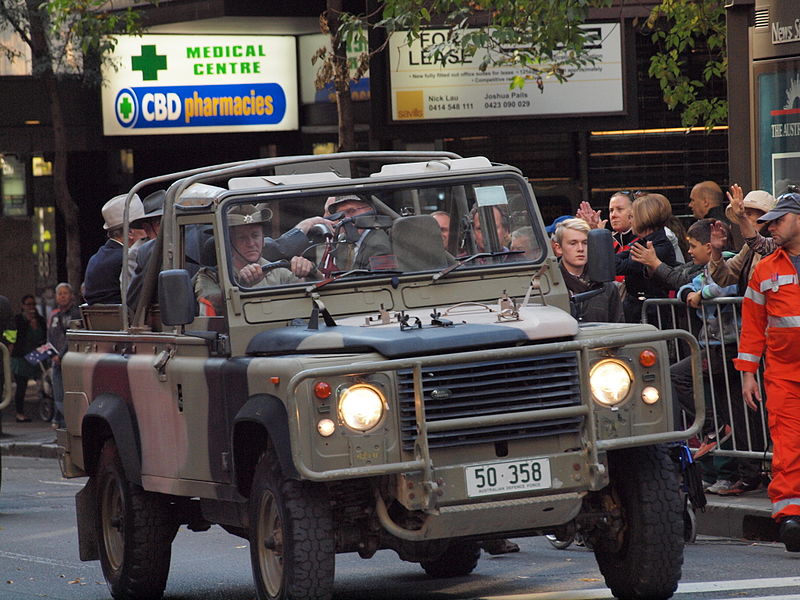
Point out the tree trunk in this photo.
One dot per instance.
(43, 68)
(64, 203)
(341, 80)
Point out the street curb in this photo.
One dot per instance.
(29, 449)
(745, 518)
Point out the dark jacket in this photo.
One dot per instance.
(59, 322)
(101, 282)
(673, 278)
(605, 307)
(23, 345)
(638, 283)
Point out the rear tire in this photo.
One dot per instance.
(641, 559)
(135, 530)
(459, 560)
(292, 550)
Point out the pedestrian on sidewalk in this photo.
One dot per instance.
(65, 311)
(771, 320)
(31, 333)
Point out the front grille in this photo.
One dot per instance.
(492, 388)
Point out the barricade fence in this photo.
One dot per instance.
(716, 324)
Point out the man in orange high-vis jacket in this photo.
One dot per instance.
(771, 318)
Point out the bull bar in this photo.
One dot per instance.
(423, 463)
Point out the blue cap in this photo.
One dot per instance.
(551, 229)
(788, 203)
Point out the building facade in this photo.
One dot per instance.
(588, 140)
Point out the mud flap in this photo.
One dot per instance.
(86, 511)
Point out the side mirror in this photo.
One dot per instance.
(601, 266)
(176, 299)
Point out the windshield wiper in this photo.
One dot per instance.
(466, 259)
(323, 282)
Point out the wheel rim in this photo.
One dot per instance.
(112, 511)
(270, 544)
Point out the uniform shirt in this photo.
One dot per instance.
(771, 318)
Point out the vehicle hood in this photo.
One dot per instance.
(473, 327)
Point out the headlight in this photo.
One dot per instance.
(361, 407)
(610, 381)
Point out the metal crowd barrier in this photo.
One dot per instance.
(750, 432)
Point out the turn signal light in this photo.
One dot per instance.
(322, 390)
(647, 358)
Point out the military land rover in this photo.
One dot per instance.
(393, 376)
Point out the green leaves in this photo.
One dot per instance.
(687, 33)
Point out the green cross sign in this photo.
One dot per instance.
(125, 107)
(149, 63)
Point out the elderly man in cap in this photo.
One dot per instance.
(745, 211)
(246, 229)
(357, 246)
(771, 321)
(101, 283)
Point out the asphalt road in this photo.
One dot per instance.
(39, 559)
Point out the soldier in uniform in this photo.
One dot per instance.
(246, 226)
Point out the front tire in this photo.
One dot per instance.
(458, 560)
(641, 556)
(135, 530)
(292, 549)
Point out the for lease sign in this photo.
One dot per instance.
(454, 87)
(161, 84)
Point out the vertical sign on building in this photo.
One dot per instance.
(200, 84)
(778, 110)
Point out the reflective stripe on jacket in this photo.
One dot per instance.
(771, 318)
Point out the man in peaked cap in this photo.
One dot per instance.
(246, 231)
(101, 282)
(771, 322)
(356, 247)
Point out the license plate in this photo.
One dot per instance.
(508, 477)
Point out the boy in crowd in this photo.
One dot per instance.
(718, 347)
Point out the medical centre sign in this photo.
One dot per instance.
(165, 84)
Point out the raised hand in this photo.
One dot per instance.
(736, 199)
(719, 239)
(591, 216)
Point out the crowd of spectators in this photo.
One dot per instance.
(715, 258)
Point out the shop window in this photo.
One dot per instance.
(12, 185)
(41, 167)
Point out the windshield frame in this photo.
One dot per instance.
(378, 186)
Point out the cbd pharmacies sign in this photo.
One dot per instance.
(200, 84)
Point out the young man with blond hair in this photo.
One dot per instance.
(571, 244)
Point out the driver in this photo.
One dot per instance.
(246, 232)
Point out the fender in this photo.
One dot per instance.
(112, 413)
(267, 412)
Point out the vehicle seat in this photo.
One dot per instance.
(417, 244)
(208, 252)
